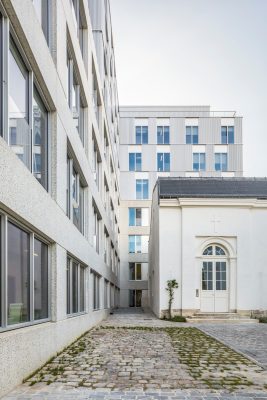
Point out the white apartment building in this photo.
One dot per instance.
(59, 178)
(177, 141)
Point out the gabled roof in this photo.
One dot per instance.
(213, 187)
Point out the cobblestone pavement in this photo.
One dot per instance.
(249, 339)
(136, 356)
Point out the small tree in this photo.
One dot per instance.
(171, 285)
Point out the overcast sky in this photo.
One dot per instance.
(194, 52)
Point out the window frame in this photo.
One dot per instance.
(142, 183)
(189, 137)
(69, 192)
(164, 134)
(136, 158)
(5, 218)
(142, 134)
(69, 298)
(166, 165)
(135, 264)
(221, 155)
(227, 134)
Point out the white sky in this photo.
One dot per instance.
(197, 52)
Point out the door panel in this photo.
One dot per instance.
(214, 290)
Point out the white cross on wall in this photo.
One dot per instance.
(214, 220)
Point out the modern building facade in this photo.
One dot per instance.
(207, 234)
(59, 178)
(186, 141)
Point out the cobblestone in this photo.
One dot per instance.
(136, 356)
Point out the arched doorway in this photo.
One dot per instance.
(214, 279)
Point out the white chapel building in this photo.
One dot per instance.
(210, 235)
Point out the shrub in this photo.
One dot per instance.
(263, 320)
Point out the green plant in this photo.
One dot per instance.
(263, 320)
(178, 318)
(171, 285)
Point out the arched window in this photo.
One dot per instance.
(214, 250)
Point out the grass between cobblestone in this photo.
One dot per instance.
(208, 362)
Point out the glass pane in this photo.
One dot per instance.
(145, 135)
(224, 134)
(132, 271)
(138, 162)
(166, 135)
(188, 135)
(131, 298)
(68, 286)
(224, 161)
(138, 135)
(217, 161)
(138, 215)
(40, 280)
(131, 244)
(219, 251)
(160, 161)
(74, 287)
(167, 162)
(18, 275)
(139, 189)
(202, 161)
(82, 282)
(138, 271)
(138, 243)
(131, 216)
(40, 117)
(208, 251)
(19, 130)
(160, 135)
(131, 161)
(145, 188)
(231, 134)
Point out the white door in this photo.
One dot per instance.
(214, 286)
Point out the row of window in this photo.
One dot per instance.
(164, 162)
(24, 294)
(191, 135)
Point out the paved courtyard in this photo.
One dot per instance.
(134, 355)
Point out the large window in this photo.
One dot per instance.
(163, 160)
(199, 161)
(42, 11)
(138, 244)
(141, 134)
(24, 275)
(163, 135)
(141, 189)
(227, 134)
(135, 161)
(28, 137)
(75, 196)
(135, 270)
(138, 216)
(221, 162)
(75, 286)
(191, 134)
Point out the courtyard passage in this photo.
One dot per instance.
(133, 355)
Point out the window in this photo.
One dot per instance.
(214, 250)
(199, 161)
(96, 229)
(141, 189)
(28, 140)
(135, 298)
(24, 275)
(221, 162)
(138, 216)
(75, 286)
(135, 270)
(135, 162)
(42, 11)
(163, 162)
(96, 299)
(74, 98)
(191, 134)
(106, 294)
(40, 140)
(78, 22)
(163, 135)
(75, 196)
(227, 134)
(96, 163)
(138, 244)
(141, 134)
(106, 246)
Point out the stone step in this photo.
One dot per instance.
(223, 320)
(219, 315)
